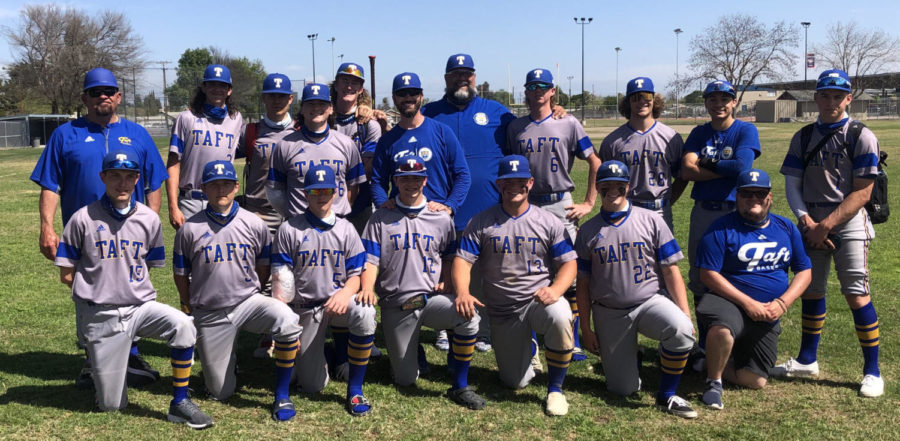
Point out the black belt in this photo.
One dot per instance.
(547, 198)
(717, 205)
(594, 302)
(652, 205)
(822, 204)
(310, 305)
(191, 194)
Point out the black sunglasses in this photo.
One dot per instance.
(538, 86)
(759, 194)
(403, 93)
(96, 92)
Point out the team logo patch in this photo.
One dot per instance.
(727, 152)
(481, 119)
(412, 139)
(125, 140)
(425, 153)
(89, 139)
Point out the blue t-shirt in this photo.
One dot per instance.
(735, 147)
(481, 130)
(754, 260)
(445, 163)
(71, 163)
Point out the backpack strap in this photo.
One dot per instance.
(250, 135)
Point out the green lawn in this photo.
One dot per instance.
(39, 360)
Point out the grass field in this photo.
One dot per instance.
(39, 359)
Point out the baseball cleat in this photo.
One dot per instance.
(483, 344)
(794, 369)
(342, 371)
(536, 364)
(466, 397)
(358, 405)
(712, 396)
(422, 361)
(266, 347)
(139, 372)
(871, 387)
(187, 412)
(442, 343)
(84, 379)
(578, 354)
(283, 410)
(375, 355)
(556, 404)
(677, 406)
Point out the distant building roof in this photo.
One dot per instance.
(807, 95)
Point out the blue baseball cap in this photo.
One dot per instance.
(613, 171)
(719, 86)
(351, 69)
(121, 160)
(277, 83)
(319, 176)
(639, 84)
(218, 171)
(754, 178)
(834, 79)
(406, 80)
(410, 165)
(99, 77)
(460, 61)
(316, 92)
(217, 73)
(514, 166)
(543, 76)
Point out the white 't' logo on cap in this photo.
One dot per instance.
(321, 175)
(640, 83)
(754, 176)
(220, 168)
(514, 165)
(461, 59)
(406, 79)
(121, 157)
(411, 162)
(315, 89)
(614, 168)
(834, 75)
(218, 71)
(537, 73)
(277, 83)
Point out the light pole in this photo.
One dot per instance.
(677, 84)
(342, 58)
(618, 49)
(569, 101)
(582, 22)
(805, 25)
(312, 38)
(332, 53)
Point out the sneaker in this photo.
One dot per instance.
(578, 354)
(466, 397)
(536, 364)
(266, 347)
(556, 404)
(712, 396)
(342, 372)
(375, 355)
(677, 406)
(85, 380)
(188, 413)
(283, 410)
(872, 387)
(483, 344)
(794, 369)
(139, 372)
(697, 359)
(442, 343)
(358, 405)
(422, 361)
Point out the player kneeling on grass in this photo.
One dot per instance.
(221, 255)
(317, 258)
(629, 278)
(744, 259)
(105, 254)
(517, 245)
(406, 247)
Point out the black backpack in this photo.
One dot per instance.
(877, 207)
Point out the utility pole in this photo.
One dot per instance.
(332, 54)
(165, 96)
(570, 88)
(618, 49)
(805, 25)
(583, 22)
(312, 39)
(677, 84)
(134, 93)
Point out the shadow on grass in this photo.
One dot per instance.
(67, 397)
(46, 366)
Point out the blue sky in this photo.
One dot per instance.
(506, 39)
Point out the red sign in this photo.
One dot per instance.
(810, 61)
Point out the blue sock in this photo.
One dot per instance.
(573, 305)
(813, 320)
(358, 351)
(462, 347)
(285, 353)
(866, 321)
(671, 366)
(340, 336)
(181, 360)
(134, 351)
(557, 366)
(534, 347)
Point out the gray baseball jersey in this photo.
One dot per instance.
(365, 136)
(624, 260)
(516, 254)
(551, 146)
(653, 157)
(112, 254)
(829, 176)
(321, 260)
(257, 170)
(408, 252)
(217, 256)
(199, 140)
(295, 153)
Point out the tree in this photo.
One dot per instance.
(503, 97)
(151, 104)
(188, 75)
(246, 77)
(859, 52)
(54, 47)
(741, 49)
(695, 97)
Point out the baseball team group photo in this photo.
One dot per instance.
(706, 256)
